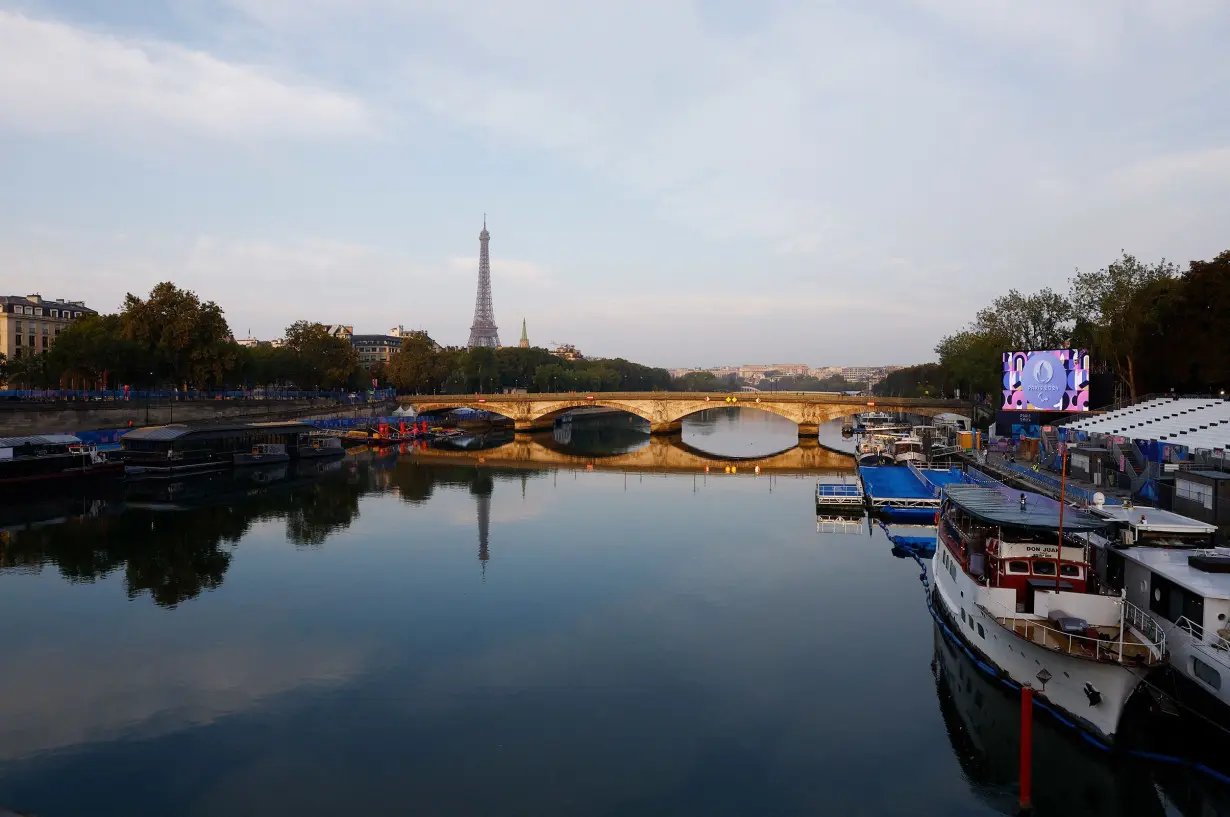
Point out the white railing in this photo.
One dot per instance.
(1105, 649)
(928, 484)
(1146, 625)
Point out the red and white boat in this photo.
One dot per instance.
(1011, 576)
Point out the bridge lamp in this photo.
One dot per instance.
(591, 397)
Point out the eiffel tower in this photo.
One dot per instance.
(483, 331)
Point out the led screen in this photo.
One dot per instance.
(1055, 380)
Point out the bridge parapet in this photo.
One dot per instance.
(665, 410)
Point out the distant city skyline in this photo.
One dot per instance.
(697, 182)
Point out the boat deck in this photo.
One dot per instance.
(1105, 647)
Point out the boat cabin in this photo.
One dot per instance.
(183, 447)
(1010, 539)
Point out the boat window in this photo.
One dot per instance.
(1070, 570)
(1018, 566)
(1042, 568)
(963, 614)
(981, 632)
(1206, 673)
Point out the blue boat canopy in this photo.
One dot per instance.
(1002, 506)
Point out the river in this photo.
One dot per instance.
(443, 633)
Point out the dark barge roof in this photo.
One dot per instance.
(1003, 507)
(39, 439)
(180, 431)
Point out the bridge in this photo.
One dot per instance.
(664, 411)
(661, 455)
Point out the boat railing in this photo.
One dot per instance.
(1103, 647)
(1216, 640)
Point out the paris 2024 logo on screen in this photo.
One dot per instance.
(1054, 380)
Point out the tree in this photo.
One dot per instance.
(974, 359)
(320, 359)
(925, 380)
(1027, 322)
(186, 340)
(93, 349)
(1111, 300)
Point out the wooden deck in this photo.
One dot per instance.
(1046, 633)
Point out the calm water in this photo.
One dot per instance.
(404, 636)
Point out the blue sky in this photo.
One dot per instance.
(680, 183)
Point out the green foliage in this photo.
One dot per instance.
(1118, 301)
(705, 381)
(926, 380)
(423, 367)
(93, 352)
(319, 360)
(185, 341)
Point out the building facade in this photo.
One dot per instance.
(373, 349)
(29, 324)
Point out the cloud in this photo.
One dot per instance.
(149, 693)
(262, 284)
(56, 78)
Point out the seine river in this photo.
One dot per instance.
(453, 633)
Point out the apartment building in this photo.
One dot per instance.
(29, 324)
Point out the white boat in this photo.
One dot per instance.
(908, 449)
(1166, 562)
(873, 451)
(1014, 585)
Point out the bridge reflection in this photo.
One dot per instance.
(657, 454)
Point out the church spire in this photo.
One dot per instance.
(525, 339)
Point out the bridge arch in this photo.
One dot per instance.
(549, 411)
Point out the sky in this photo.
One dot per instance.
(677, 182)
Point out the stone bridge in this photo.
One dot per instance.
(658, 455)
(665, 410)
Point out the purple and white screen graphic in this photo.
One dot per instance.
(1052, 380)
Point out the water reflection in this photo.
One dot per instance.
(732, 431)
(982, 717)
(597, 643)
(173, 539)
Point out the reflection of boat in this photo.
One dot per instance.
(983, 720)
(51, 457)
(262, 454)
(1019, 596)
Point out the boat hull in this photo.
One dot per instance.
(59, 467)
(874, 459)
(1091, 694)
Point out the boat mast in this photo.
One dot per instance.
(1063, 483)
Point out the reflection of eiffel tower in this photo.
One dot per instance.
(484, 527)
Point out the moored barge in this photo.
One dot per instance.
(174, 450)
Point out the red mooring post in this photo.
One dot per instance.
(1027, 749)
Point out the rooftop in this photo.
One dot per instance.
(1002, 506)
(179, 430)
(39, 439)
(1172, 564)
(1154, 519)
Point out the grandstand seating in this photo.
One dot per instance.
(1196, 422)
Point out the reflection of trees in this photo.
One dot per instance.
(177, 542)
(415, 481)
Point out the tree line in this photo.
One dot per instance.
(1149, 326)
(172, 338)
